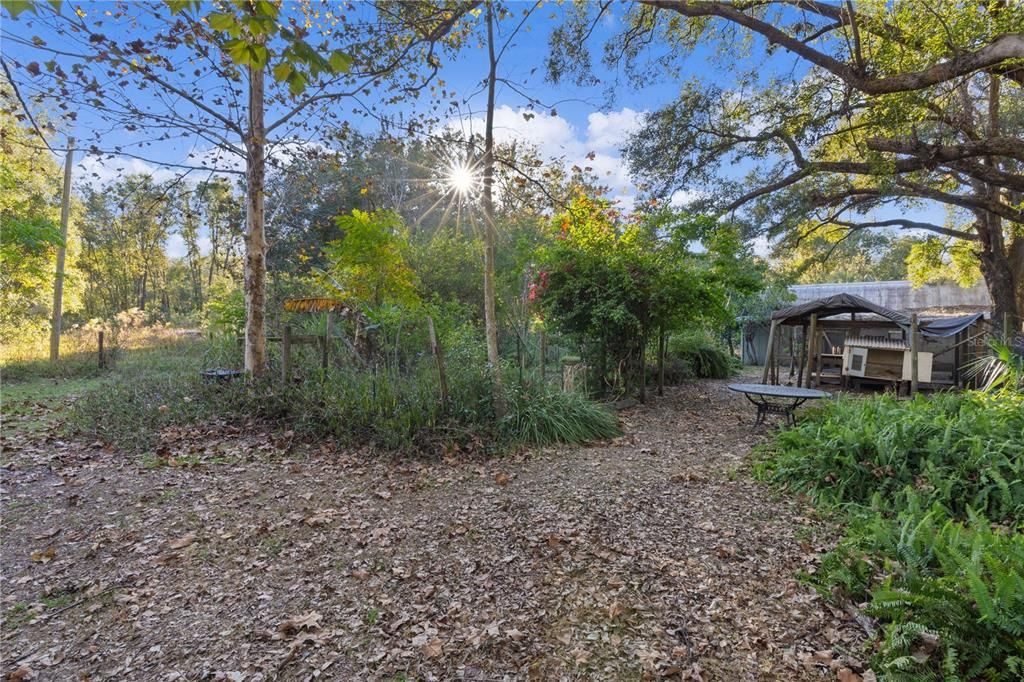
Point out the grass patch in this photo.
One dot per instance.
(396, 409)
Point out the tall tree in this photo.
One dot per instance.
(124, 229)
(30, 191)
(255, 72)
(490, 224)
(887, 107)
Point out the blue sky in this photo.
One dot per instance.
(588, 130)
(586, 121)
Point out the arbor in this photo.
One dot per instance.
(887, 108)
(613, 284)
(256, 76)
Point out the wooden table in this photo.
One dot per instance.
(781, 400)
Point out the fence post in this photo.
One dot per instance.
(543, 356)
(327, 340)
(519, 356)
(101, 360)
(435, 349)
(643, 369)
(913, 354)
(286, 353)
(662, 343)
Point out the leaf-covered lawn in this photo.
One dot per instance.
(236, 554)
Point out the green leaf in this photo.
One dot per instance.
(238, 50)
(340, 62)
(16, 7)
(179, 6)
(267, 8)
(296, 83)
(261, 25)
(282, 71)
(222, 21)
(258, 56)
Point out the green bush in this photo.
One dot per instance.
(542, 415)
(350, 405)
(947, 584)
(950, 594)
(697, 356)
(958, 450)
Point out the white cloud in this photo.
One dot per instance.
(99, 171)
(762, 246)
(557, 138)
(609, 131)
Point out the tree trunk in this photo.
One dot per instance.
(490, 229)
(255, 239)
(142, 290)
(1002, 287)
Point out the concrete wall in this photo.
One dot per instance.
(901, 296)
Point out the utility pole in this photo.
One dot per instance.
(58, 282)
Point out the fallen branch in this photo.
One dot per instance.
(867, 623)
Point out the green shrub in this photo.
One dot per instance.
(542, 415)
(959, 450)
(946, 584)
(697, 356)
(950, 595)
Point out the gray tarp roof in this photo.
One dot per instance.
(943, 327)
(839, 304)
(842, 304)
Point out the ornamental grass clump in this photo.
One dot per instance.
(544, 416)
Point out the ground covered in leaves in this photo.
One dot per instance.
(237, 554)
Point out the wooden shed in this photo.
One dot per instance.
(847, 339)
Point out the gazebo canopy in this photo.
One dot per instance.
(840, 304)
(845, 304)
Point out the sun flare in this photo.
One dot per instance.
(462, 179)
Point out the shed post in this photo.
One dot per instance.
(913, 354)
(769, 352)
(803, 355)
(102, 362)
(812, 336)
(792, 352)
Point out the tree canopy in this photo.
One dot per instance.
(889, 107)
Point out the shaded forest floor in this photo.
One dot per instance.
(242, 555)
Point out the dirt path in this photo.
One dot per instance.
(651, 557)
